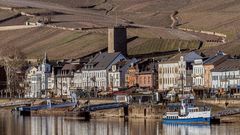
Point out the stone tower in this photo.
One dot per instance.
(117, 40)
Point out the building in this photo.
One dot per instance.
(132, 76)
(95, 72)
(210, 64)
(117, 40)
(142, 74)
(77, 79)
(65, 80)
(116, 74)
(177, 71)
(42, 81)
(198, 73)
(31, 71)
(226, 76)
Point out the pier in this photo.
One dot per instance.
(86, 110)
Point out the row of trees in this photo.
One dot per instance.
(13, 61)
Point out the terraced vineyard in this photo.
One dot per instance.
(5, 14)
(61, 44)
(151, 46)
(58, 43)
(211, 15)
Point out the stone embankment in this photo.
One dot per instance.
(222, 102)
(134, 111)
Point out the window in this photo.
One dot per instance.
(215, 77)
(160, 70)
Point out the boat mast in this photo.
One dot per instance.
(182, 77)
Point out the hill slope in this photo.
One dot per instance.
(217, 16)
(62, 44)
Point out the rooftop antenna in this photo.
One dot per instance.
(179, 49)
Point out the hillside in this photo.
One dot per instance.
(62, 44)
(232, 48)
(213, 15)
(149, 21)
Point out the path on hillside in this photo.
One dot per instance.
(16, 27)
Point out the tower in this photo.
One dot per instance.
(117, 40)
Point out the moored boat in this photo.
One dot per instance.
(188, 113)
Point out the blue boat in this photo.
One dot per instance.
(188, 114)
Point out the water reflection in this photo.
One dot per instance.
(18, 125)
(181, 129)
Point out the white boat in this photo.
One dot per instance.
(188, 113)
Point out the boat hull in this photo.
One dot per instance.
(188, 120)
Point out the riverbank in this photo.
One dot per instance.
(145, 111)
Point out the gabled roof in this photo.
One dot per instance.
(30, 68)
(102, 61)
(228, 65)
(121, 64)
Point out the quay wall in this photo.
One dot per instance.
(134, 111)
(221, 102)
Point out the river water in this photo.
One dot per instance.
(19, 125)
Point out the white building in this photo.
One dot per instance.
(116, 75)
(65, 80)
(95, 72)
(170, 74)
(198, 73)
(176, 72)
(41, 80)
(77, 79)
(226, 75)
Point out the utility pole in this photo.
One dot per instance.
(163, 78)
(61, 86)
(182, 83)
(182, 77)
(88, 90)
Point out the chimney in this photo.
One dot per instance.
(117, 40)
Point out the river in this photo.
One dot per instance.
(18, 125)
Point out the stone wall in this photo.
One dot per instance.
(221, 102)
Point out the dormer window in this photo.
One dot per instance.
(114, 68)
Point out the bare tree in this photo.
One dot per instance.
(13, 61)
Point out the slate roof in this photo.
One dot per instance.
(71, 67)
(101, 61)
(215, 59)
(228, 65)
(188, 57)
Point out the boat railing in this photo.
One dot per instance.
(200, 109)
(171, 113)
